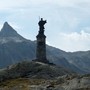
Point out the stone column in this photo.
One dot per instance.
(41, 43)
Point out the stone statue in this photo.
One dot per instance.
(41, 43)
(41, 24)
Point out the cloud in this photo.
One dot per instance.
(12, 4)
(74, 41)
(48, 43)
(82, 36)
(29, 3)
(0, 26)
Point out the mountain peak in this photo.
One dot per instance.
(6, 23)
(7, 29)
(7, 32)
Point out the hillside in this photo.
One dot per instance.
(40, 76)
(33, 70)
(65, 82)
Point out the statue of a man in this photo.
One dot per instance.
(42, 23)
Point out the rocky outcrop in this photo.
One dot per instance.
(33, 69)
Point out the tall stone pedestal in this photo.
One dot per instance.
(41, 44)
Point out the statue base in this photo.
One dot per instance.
(44, 61)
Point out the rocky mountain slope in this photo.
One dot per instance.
(32, 70)
(32, 75)
(8, 34)
(14, 48)
(42, 77)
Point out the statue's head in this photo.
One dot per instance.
(41, 19)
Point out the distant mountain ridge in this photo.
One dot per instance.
(14, 48)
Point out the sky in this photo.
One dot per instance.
(68, 21)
